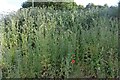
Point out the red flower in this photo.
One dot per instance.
(73, 61)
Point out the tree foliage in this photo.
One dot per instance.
(55, 5)
(105, 10)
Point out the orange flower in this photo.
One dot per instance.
(73, 61)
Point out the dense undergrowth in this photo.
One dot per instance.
(53, 43)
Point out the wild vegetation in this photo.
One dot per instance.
(43, 42)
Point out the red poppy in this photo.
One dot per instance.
(73, 61)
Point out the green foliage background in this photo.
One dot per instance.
(40, 42)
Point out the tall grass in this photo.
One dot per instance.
(41, 43)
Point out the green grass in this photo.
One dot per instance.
(41, 42)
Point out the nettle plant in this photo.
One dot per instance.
(42, 42)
